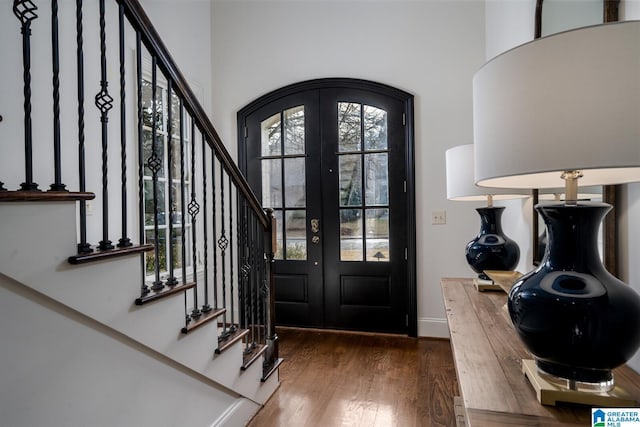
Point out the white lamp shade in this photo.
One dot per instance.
(460, 183)
(570, 101)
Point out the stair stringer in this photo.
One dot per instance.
(38, 237)
(61, 367)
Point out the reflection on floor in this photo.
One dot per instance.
(352, 379)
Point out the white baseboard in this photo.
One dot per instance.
(433, 327)
(238, 414)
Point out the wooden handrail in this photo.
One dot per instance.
(151, 39)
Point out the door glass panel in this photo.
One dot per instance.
(279, 236)
(349, 134)
(351, 235)
(284, 180)
(376, 179)
(353, 119)
(296, 232)
(375, 128)
(294, 130)
(377, 229)
(271, 132)
(294, 181)
(350, 180)
(272, 183)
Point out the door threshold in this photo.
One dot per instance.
(344, 331)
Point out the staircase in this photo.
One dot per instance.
(136, 289)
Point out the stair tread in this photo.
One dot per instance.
(270, 370)
(44, 196)
(203, 319)
(251, 355)
(166, 292)
(224, 342)
(98, 255)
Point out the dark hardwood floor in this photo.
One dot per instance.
(349, 379)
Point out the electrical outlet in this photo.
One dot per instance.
(438, 217)
(89, 207)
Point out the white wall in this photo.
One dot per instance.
(428, 48)
(509, 23)
(629, 10)
(185, 27)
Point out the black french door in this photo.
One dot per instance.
(332, 162)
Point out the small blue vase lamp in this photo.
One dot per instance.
(491, 249)
(557, 111)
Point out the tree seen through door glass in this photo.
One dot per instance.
(272, 183)
(271, 134)
(377, 231)
(294, 182)
(350, 172)
(294, 130)
(296, 223)
(375, 128)
(284, 180)
(351, 235)
(349, 126)
(376, 179)
(279, 235)
(364, 222)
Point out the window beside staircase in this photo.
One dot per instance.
(173, 186)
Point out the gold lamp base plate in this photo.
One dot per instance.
(504, 279)
(485, 285)
(551, 394)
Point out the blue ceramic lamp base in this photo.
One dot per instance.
(491, 249)
(579, 321)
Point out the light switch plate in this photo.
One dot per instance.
(438, 217)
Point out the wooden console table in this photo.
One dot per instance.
(488, 354)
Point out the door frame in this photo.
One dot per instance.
(366, 85)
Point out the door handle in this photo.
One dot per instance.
(315, 226)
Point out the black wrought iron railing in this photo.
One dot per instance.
(199, 227)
